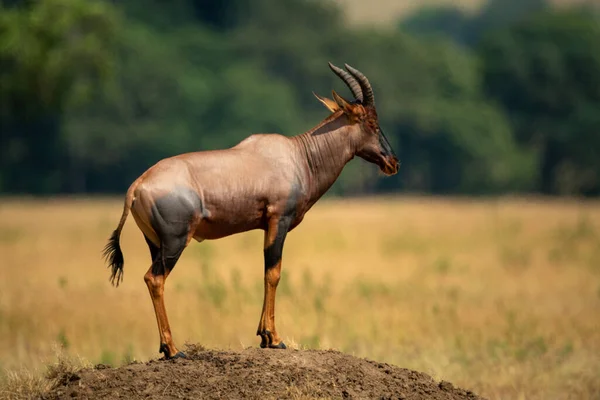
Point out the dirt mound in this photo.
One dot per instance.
(256, 374)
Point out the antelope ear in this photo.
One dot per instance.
(342, 103)
(330, 104)
(355, 112)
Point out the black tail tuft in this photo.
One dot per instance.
(114, 256)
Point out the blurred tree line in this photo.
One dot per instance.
(93, 92)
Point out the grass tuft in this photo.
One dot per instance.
(27, 384)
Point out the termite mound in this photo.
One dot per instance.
(256, 374)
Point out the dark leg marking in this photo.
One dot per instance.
(153, 248)
(275, 250)
(170, 251)
(171, 218)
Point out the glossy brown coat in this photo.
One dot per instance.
(268, 182)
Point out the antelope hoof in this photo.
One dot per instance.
(264, 341)
(165, 350)
(267, 341)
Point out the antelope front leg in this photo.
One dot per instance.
(274, 239)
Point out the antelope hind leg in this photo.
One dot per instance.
(165, 259)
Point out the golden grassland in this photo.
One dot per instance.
(388, 12)
(501, 296)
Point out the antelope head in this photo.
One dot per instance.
(372, 145)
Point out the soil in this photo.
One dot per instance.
(256, 374)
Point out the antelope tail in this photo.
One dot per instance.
(112, 251)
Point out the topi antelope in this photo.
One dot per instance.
(267, 181)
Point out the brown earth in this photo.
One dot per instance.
(255, 374)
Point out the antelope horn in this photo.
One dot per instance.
(354, 86)
(364, 85)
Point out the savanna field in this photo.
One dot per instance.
(500, 296)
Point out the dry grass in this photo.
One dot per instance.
(23, 383)
(499, 296)
(387, 12)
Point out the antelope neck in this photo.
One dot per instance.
(326, 148)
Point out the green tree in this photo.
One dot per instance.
(467, 28)
(545, 71)
(132, 82)
(171, 93)
(53, 54)
(448, 136)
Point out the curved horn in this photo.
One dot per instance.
(364, 84)
(354, 86)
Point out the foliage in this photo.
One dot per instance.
(465, 28)
(94, 92)
(545, 72)
(53, 55)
